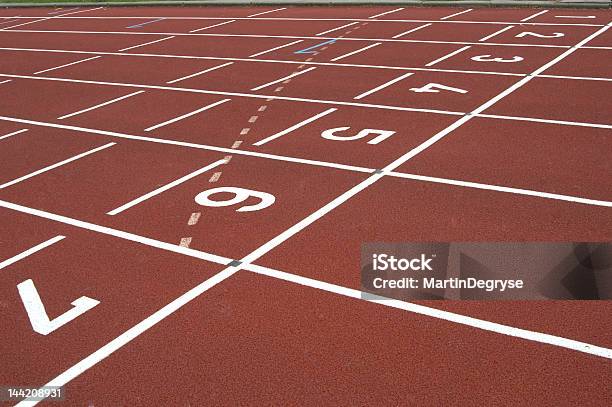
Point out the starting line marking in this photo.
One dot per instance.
(432, 63)
(30, 251)
(211, 26)
(166, 187)
(199, 73)
(146, 22)
(100, 105)
(47, 18)
(294, 127)
(146, 43)
(293, 75)
(387, 12)
(384, 85)
(274, 49)
(266, 12)
(356, 51)
(337, 28)
(534, 16)
(488, 37)
(65, 65)
(411, 31)
(309, 49)
(176, 119)
(456, 14)
(13, 134)
(56, 165)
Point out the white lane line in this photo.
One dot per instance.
(550, 121)
(13, 21)
(176, 119)
(575, 16)
(356, 51)
(584, 78)
(147, 43)
(165, 187)
(116, 233)
(337, 28)
(456, 14)
(246, 95)
(211, 26)
(293, 75)
(48, 18)
(100, 105)
(507, 330)
(60, 11)
(30, 251)
(434, 139)
(500, 188)
(275, 48)
(432, 63)
(266, 12)
(185, 144)
(6, 81)
(488, 37)
(539, 13)
(56, 165)
(384, 85)
(411, 31)
(194, 218)
(13, 134)
(65, 65)
(294, 127)
(199, 73)
(387, 12)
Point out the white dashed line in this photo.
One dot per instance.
(185, 242)
(215, 177)
(194, 218)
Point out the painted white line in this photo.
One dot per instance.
(48, 18)
(293, 75)
(550, 121)
(13, 134)
(531, 17)
(575, 16)
(147, 43)
(6, 81)
(194, 218)
(488, 37)
(100, 105)
(294, 127)
(165, 188)
(246, 95)
(274, 49)
(176, 119)
(337, 28)
(13, 21)
(62, 66)
(211, 26)
(185, 242)
(59, 11)
(387, 12)
(30, 251)
(499, 188)
(356, 51)
(232, 150)
(237, 142)
(437, 313)
(417, 150)
(456, 14)
(266, 12)
(411, 31)
(116, 233)
(253, 119)
(432, 63)
(215, 177)
(584, 78)
(384, 85)
(199, 73)
(56, 165)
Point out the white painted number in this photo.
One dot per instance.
(527, 33)
(38, 315)
(382, 135)
(487, 58)
(240, 195)
(436, 87)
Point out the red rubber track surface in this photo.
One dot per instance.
(113, 121)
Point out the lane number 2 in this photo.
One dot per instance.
(532, 34)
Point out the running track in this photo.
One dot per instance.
(119, 126)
